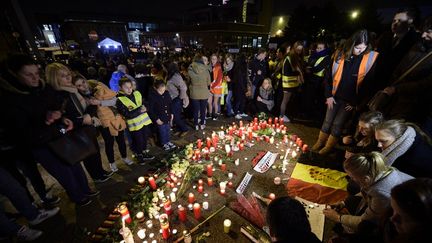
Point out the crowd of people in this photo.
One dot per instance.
(370, 95)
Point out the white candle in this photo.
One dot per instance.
(205, 205)
(173, 197)
(141, 180)
(141, 233)
(230, 175)
(237, 162)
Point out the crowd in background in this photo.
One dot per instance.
(371, 95)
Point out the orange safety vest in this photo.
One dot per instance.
(216, 86)
(365, 65)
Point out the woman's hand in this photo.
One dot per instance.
(330, 102)
(68, 123)
(52, 116)
(159, 122)
(185, 102)
(259, 99)
(143, 109)
(332, 214)
(94, 101)
(87, 120)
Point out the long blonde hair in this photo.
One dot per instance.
(52, 74)
(367, 164)
(398, 127)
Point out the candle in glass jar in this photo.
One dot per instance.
(241, 146)
(199, 143)
(227, 225)
(141, 180)
(237, 162)
(240, 132)
(270, 120)
(200, 189)
(191, 198)
(141, 233)
(173, 196)
(140, 216)
(182, 213)
(200, 182)
(124, 211)
(223, 167)
(164, 223)
(205, 205)
(152, 183)
(210, 181)
(167, 206)
(210, 170)
(197, 210)
(230, 175)
(208, 142)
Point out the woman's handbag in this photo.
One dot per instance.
(76, 145)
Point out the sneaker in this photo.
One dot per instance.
(202, 127)
(113, 167)
(197, 128)
(27, 234)
(215, 117)
(102, 179)
(286, 119)
(166, 147)
(93, 193)
(244, 115)
(84, 202)
(238, 117)
(127, 161)
(172, 146)
(53, 200)
(108, 173)
(147, 156)
(208, 116)
(43, 215)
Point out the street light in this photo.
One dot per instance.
(355, 14)
(278, 32)
(280, 20)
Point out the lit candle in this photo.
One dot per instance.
(210, 181)
(200, 189)
(227, 225)
(250, 134)
(270, 120)
(205, 205)
(141, 234)
(141, 180)
(200, 182)
(182, 213)
(167, 206)
(210, 170)
(230, 175)
(255, 120)
(191, 198)
(197, 210)
(240, 132)
(294, 154)
(237, 162)
(271, 140)
(277, 121)
(277, 180)
(124, 211)
(223, 167)
(241, 123)
(164, 223)
(227, 148)
(208, 140)
(305, 148)
(190, 206)
(140, 216)
(152, 183)
(230, 184)
(199, 143)
(241, 146)
(149, 224)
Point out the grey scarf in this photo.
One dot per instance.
(400, 146)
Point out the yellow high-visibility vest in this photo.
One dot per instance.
(140, 121)
(320, 73)
(289, 81)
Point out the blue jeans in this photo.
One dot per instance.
(176, 107)
(229, 103)
(336, 118)
(164, 133)
(199, 109)
(71, 177)
(18, 196)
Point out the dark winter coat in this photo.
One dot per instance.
(160, 106)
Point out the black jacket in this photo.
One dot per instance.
(71, 111)
(160, 106)
(256, 65)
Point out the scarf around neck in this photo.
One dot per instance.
(400, 146)
(82, 106)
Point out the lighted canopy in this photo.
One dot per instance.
(109, 43)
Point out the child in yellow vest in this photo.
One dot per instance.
(129, 105)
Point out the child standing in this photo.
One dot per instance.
(129, 105)
(161, 113)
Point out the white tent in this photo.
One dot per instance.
(109, 43)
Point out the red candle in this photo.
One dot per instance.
(255, 127)
(230, 131)
(223, 167)
(294, 137)
(263, 125)
(250, 135)
(124, 211)
(241, 146)
(197, 210)
(210, 181)
(215, 140)
(164, 223)
(241, 123)
(208, 142)
(276, 121)
(305, 148)
(280, 122)
(267, 139)
(167, 206)
(200, 189)
(191, 198)
(210, 170)
(200, 182)
(270, 120)
(240, 133)
(199, 143)
(182, 213)
(255, 119)
(152, 183)
(230, 184)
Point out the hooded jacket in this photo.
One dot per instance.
(200, 80)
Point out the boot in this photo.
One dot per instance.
(331, 142)
(322, 138)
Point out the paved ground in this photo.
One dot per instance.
(73, 223)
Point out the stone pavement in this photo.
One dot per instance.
(73, 223)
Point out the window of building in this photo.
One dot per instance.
(135, 25)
